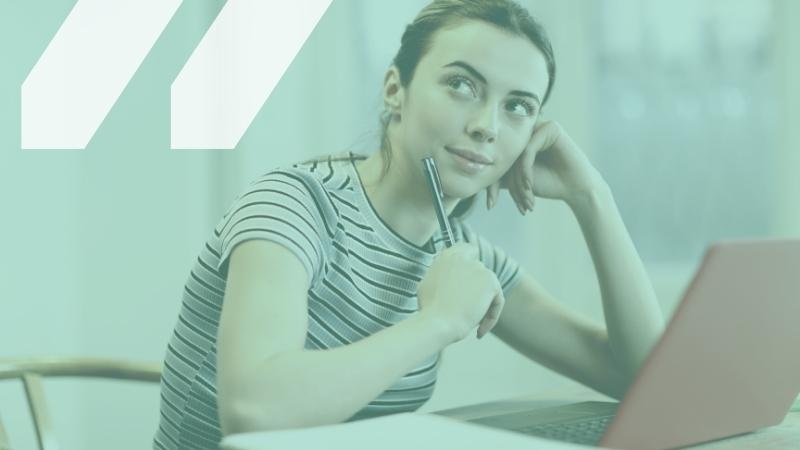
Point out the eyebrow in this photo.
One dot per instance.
(482, 79)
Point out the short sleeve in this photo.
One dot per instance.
(280, 207)
(494, 258)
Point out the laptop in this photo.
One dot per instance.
(727, 363)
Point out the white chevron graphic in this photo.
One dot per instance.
(85, 68)
(235, 67)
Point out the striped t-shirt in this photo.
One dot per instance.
(363, 278)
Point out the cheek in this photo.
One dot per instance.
(436, 120)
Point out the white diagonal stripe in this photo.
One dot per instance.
(235, 68)
(85, 68)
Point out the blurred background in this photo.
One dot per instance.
(687, 108)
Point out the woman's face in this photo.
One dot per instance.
(478, 89)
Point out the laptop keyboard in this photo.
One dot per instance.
(587, 431)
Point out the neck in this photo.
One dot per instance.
(402, 198)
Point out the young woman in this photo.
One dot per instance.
(325, 293)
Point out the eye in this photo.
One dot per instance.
(522, 108)
(456, 83)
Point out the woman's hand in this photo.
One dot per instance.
(551, 166)
(459, 291)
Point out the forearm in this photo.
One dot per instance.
(633, 317)
(307, 388)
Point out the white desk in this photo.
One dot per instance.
(410, 431)
(444, 430)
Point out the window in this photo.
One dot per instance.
(684, 111)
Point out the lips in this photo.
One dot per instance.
(470, 155)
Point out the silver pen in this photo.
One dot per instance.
(438, 196)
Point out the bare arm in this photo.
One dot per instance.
(605, 359)
(266, 379)
(553, 166)
(632, 314)
(537, 325)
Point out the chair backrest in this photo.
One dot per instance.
(31, 371)
(4, 445)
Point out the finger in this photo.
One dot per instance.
(512, 184)
(519, 185)
(492, 314)
(489, 320)
(530, 199)
(514, 192)
(491, 195)
(527, 159)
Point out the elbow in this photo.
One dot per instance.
(618, 389)
(613, 385)
(623, 379)
(240, 411)
(239, 415)
(243, 407)
(626, 370)
(619, 376)
(246, 415)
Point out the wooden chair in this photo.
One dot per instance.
(31, 371)
(4, 445)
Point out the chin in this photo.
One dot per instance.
(461, 191)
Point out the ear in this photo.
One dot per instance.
(393, 92)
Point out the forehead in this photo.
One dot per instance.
(508, 61)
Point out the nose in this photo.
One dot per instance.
(483, 127)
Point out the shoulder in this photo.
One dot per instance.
(332, 172)
(292, 178)
(313, 188)
(309, 181)
(316, 178)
